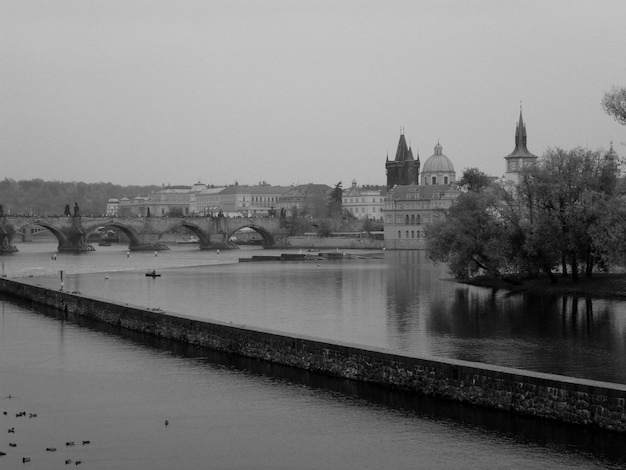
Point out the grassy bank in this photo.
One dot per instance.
(602, 285)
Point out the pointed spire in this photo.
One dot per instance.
(403, 153)
(520, 140)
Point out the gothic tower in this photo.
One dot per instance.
(404, 169)
(520, 157)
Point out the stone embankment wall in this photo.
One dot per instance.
(566, 399)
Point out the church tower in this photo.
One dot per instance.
(520, 157)
(404, 170)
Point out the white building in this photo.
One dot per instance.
(364, 203)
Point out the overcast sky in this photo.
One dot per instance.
(180, 91)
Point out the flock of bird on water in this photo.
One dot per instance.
(24, 414)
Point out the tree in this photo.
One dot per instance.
(564, 192)
(565, 209)
(470, 238)
(336, 201)
(474, 180)
(614, 104)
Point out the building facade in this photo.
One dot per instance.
(310, 199)
(113, 205)
(409, 208)
(364, 203)
(251, 201)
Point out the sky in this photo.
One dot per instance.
(294, 92)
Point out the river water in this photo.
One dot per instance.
(116, 391)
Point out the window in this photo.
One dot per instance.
(412, 234)
(399, 234)
(445, 180)
(412, 219)
(418, 220)
(407, 234)
(406, 220)
(434, 180)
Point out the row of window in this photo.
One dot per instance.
(406, 233)
(348, 200)
(355, 210)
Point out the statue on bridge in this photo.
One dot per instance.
(67, 212)
(76, 211)
(1, 211)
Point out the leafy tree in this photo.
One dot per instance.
(336, 201)
(614, 104)
(474, 180)
(565, 209)
(40, 197)
(470, 237)
(567, 188)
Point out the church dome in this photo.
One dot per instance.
(438, 163)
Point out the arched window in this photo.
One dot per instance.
(407, 234)
(413, 219)
(406, 219)
(412, 234)
(418, 220)
(399, 234)
(434, 180)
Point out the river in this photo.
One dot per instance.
(86, 384)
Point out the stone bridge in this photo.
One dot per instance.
(144, 233)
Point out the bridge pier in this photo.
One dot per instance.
(6, 237)
(147, 239)
(74, 240)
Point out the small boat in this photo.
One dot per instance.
(187, 240)
(153, 274)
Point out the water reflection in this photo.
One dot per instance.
(230, 393)
(401, 302)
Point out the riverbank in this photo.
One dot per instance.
(601, 285)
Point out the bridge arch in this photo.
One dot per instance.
(268, 238)
(130, 232)
(61, 238)
(203, 236)
(69, 240)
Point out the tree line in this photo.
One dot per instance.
(41, 198)
(565, 214)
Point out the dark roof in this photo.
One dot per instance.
(239, 189)
(520, 141)
(403, 153)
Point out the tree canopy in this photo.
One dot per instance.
(565, 212)
(39, 197)
(614, 104)
(474, 180)
(335, 202)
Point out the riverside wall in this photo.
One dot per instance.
(579, 401)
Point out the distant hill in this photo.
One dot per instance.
(39, 197)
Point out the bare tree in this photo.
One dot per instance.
(614, 104)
